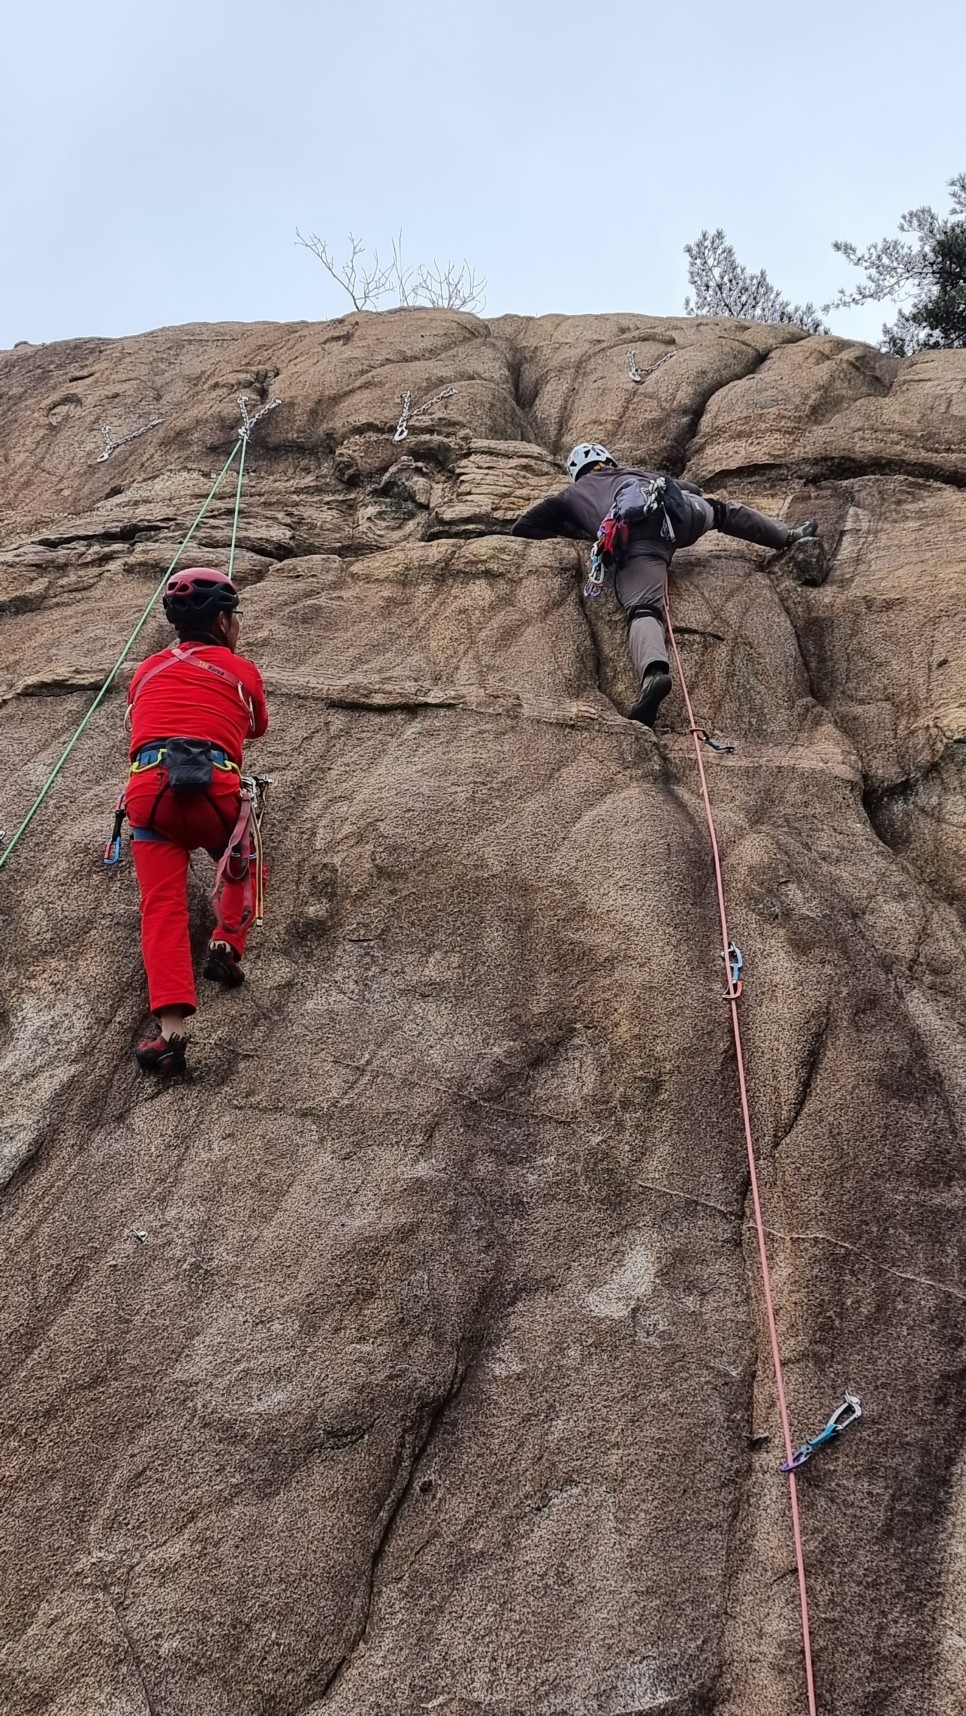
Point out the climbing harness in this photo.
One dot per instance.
(734, 989)
(237, 452)
(243, 854)
(181, 758)
(842, 1417)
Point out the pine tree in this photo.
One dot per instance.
(722, 287)
(929, 273)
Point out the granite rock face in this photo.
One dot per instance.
(410, 1356)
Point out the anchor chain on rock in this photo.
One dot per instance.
(248, 421)
(411, 411)
(637, 374)
(111, 446)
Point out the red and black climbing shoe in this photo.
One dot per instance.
(223, 965)
(162, 1054)
(655, 686)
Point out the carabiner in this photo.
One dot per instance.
(714, 744)
(112, 851)
(735, 964)
(842, 1417)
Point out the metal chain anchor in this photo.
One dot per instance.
(637, 374)
(111, 446)
(411, 411)
(248, 421)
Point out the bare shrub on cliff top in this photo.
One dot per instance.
(722, 287)
(368, 282)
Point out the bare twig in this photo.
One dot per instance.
(440, 287)
(364, 284)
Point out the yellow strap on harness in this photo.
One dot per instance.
(139, 768)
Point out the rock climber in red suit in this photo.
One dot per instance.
(199, 690)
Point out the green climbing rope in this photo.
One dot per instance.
(238, 489)
(240, 444)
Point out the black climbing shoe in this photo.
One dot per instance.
(162, 1054)
(655, 686)
(223, 965)
(802, 532)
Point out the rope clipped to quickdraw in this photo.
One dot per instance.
(734, 965)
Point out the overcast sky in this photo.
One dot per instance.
(157, 159)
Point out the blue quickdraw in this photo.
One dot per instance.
(112, 851)
(842, 1417)
(736, 965)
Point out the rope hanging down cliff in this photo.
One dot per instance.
(733, 964)
(241, 444)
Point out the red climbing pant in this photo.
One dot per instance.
(184, 822)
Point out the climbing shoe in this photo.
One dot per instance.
(223, 965)
(162, 1054)
(655, 686)
(802, 532)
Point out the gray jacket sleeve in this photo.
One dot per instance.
(552, 517)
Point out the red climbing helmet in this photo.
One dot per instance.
(199, 593)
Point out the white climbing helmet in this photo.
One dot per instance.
(587, 453)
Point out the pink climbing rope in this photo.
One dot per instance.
(732, 998)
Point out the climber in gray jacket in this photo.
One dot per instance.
(596, 482)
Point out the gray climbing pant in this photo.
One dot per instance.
(640, 582)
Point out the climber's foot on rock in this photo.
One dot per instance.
(223, 965)
(655, 686)
(162, 1054)
(802, 532)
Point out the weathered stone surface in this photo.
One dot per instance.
(410, 1357)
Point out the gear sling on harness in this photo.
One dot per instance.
(656, 499)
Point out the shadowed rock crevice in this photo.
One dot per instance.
(420, 1439)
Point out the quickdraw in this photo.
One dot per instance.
(842, 1417)
(256, 786)
(736, 965)
(714, 744)
(112, 851)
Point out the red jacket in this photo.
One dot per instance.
(182, 699)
